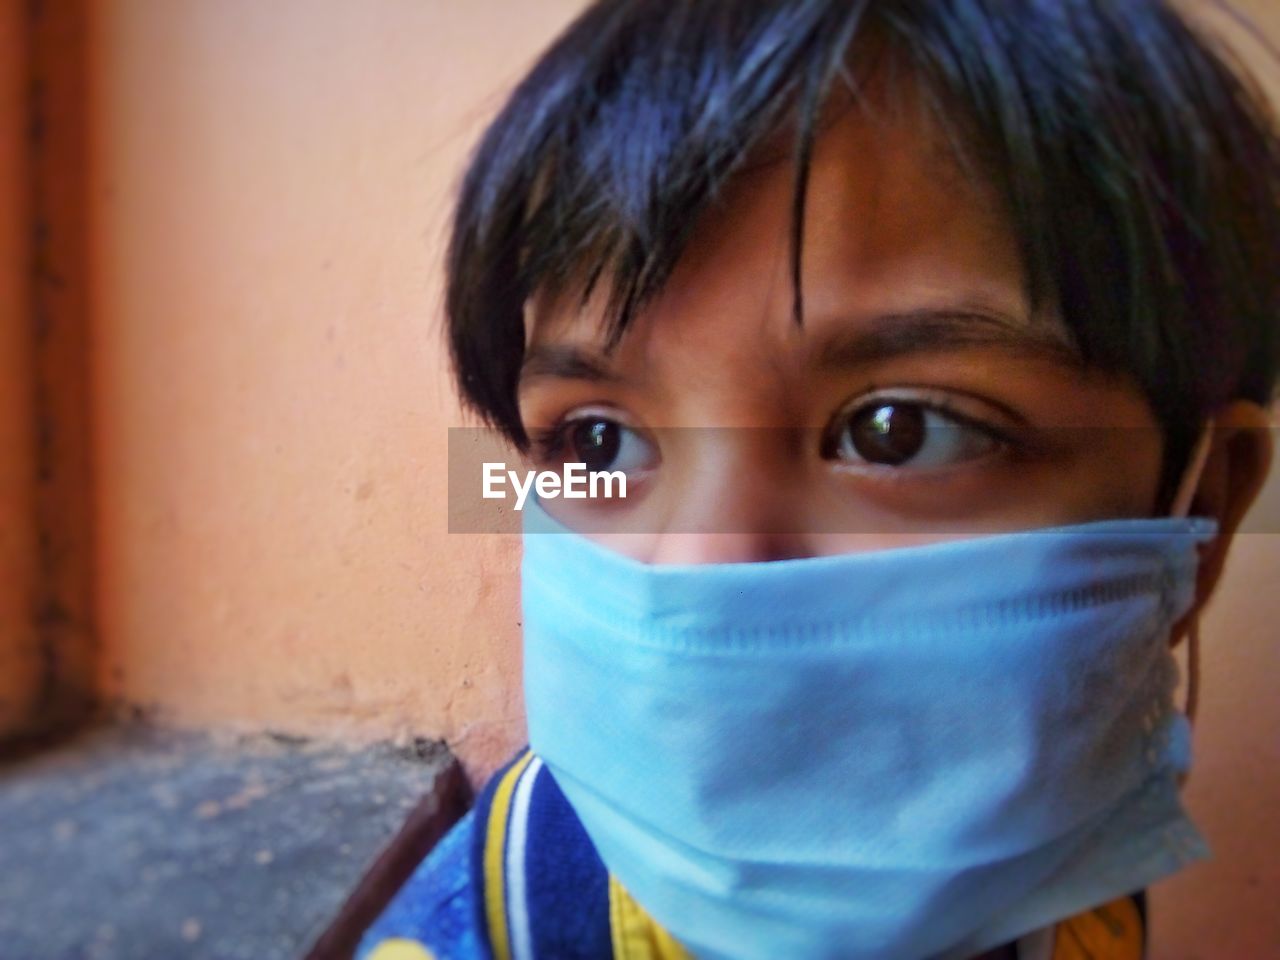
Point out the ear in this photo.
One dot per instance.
(1235, 469)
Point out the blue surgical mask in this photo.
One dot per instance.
(917, 752)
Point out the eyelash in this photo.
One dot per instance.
(939, 405)
(547, 443)
(939, 401)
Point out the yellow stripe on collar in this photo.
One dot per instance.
(495, 852)
(1110, 932)
(399, 948)
(635, 934)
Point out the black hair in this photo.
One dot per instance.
(1138, 165)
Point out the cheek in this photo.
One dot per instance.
(1091, 474)
(1098, 447)
(1109, 451)
(1119, 475)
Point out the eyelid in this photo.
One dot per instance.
(604, 411)
(941, 402)
(1011, 439)
(549, 439)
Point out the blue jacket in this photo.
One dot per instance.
(518, 879)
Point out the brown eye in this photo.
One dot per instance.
(902, 433)
(599, 442)
(595, 442)
(890, 434)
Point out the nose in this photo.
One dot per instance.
(737, 502)
(711, 547)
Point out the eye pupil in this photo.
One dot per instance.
(596, 443)
(890, 434)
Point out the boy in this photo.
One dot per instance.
(919, 329)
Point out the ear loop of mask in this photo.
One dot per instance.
(1181, 507)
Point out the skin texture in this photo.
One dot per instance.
(913, 292)
(732, 416)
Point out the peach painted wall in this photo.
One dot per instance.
(269, 192)
(270, 183)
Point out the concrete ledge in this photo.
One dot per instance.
(130, 843)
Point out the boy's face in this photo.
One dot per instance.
(921, 399)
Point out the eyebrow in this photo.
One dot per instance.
(891, 335)
(876, 339)
(560, 361)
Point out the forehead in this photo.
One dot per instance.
(894, 222)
